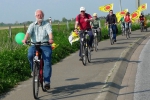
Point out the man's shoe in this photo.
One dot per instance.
(47, 86)
(115, 40)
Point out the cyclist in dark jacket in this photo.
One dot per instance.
(112, 19)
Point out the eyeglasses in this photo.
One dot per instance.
(110, 12)
(82, 11)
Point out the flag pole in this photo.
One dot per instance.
(120, 6)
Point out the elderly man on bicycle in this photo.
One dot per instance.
(41, 31)
(83, 21)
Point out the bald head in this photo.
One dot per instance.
(39, 15)
(39, 11)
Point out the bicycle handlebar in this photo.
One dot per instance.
(37, 43)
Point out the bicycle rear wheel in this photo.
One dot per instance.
(35, 80)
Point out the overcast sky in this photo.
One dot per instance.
(23, 10)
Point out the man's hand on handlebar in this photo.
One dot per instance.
(51, 41)
(24, 41)
(76, 30)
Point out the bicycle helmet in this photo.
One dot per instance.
(95, 14)
(82, 9)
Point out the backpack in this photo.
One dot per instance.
(79, 16)
(127, 18)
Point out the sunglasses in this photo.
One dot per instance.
(82, 11)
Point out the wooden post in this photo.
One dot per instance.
(10, 36)
(25, 29)
(58, 26)
(67, 25)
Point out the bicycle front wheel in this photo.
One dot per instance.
(111, 38)
(127, 32)
(89, 54)
(84, 55)
(96, 43)
(35, 80)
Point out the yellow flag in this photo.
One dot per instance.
(54, 45)
(106, 8)
(121, 14)
(118, 17)
(142, 7)
(135, 15)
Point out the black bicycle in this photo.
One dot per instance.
(142, 26)
(38, 78)
(127, 32)
(122, 29)
(85, 48)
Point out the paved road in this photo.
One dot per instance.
(142, 82)
(132, 83)
(73, 81)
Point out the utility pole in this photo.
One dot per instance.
(138, 3)
(120, 6)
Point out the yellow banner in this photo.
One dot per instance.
(106, 8)
(120, 14)
(142, 7)
(54, 45)
(135, 15)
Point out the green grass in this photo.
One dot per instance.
(14, 66)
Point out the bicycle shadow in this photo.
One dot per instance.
(72, 91)
(108, 60)
(111, 48)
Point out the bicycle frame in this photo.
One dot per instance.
(84, 43)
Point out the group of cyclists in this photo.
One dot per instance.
(86, 22)
(41, 31)
(126, 21)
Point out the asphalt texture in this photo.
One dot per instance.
(142, 82)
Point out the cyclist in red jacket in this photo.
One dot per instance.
(127, 19)
(83, 21)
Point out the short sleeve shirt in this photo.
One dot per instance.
(122, 19)
(39, 33)
(82, 23)
(95, 23)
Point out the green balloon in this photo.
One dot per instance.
(19, 37)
